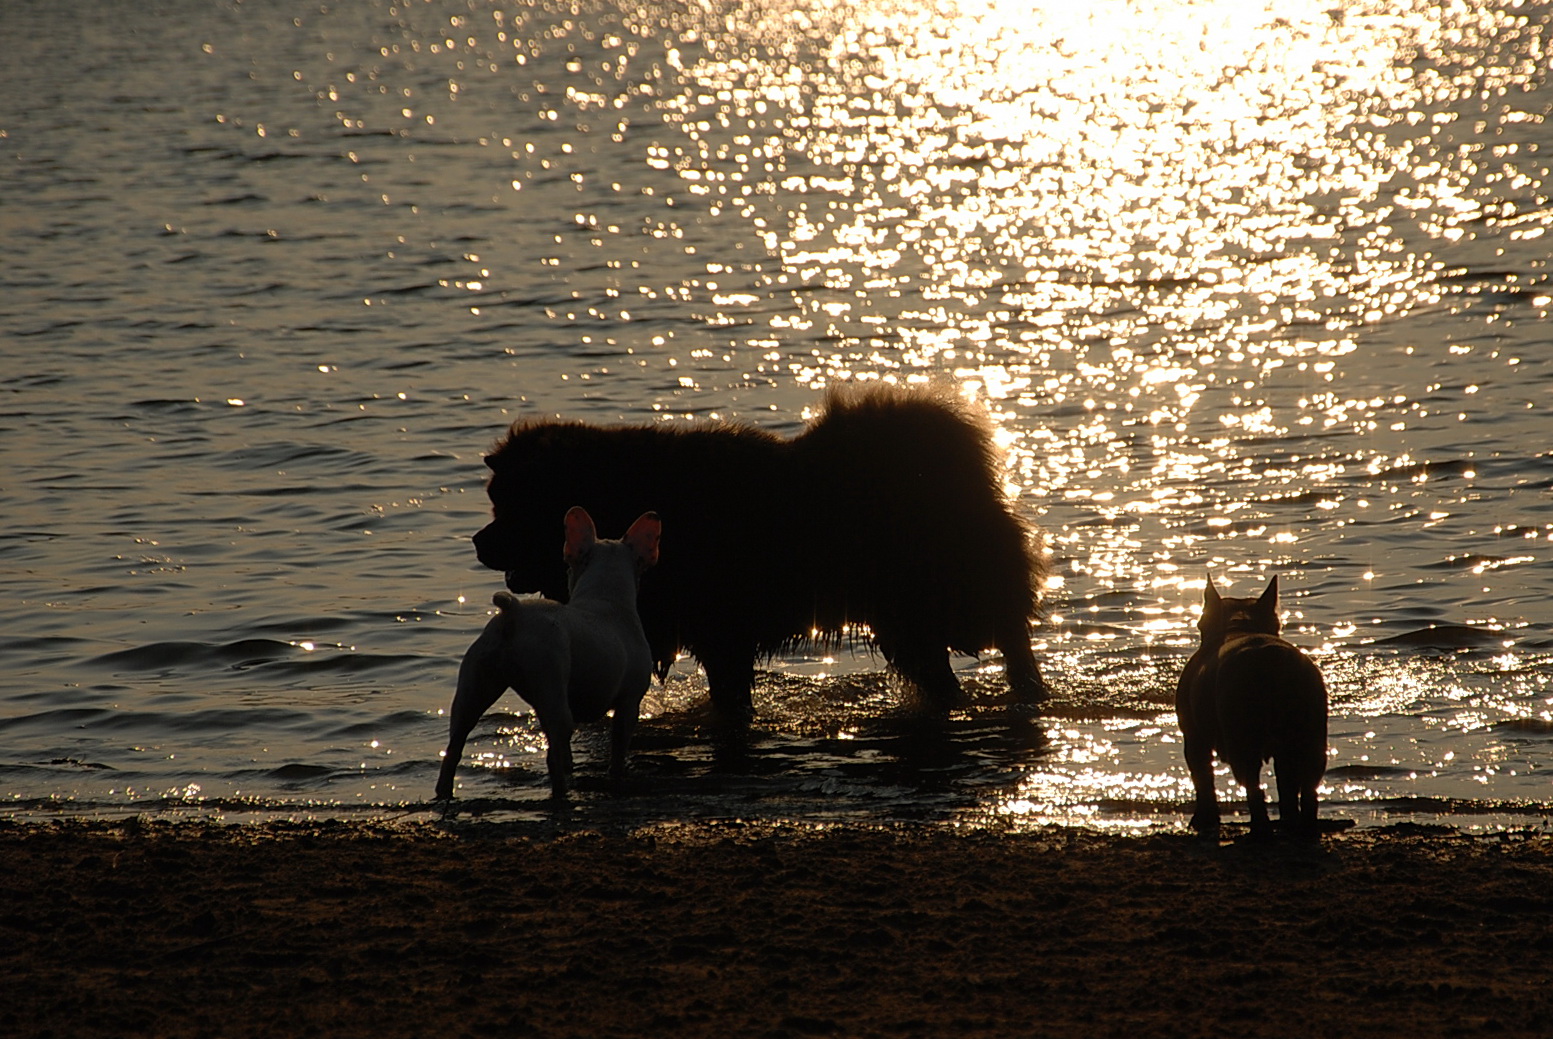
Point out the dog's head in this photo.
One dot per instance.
(538, 471)
(1223, 616)
(523, 514)
(640, 544)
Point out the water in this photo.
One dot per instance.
(1247, 288)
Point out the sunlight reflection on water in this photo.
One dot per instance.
(1250, 287)
(1164, 242)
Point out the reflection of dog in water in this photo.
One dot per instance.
(572, 663)
(885, 516)
(1252, 697)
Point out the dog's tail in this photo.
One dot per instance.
(510, 610)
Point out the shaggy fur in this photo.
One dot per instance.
(887, 511)
(1252, 697)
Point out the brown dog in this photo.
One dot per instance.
(1252, 697)
(886, 516)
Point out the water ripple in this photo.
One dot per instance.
(1249, 291)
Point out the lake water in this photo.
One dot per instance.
(1247, 289)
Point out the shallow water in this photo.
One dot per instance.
(1248, 289)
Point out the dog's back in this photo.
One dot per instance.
(1272, 706)
(944, 560)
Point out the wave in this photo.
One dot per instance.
(163, 725)
(286, 454)
(1446, 637)
(158, 656)
(270, 655)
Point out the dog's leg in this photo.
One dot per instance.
(730, 677)
(1199, 762)
(1021, 670)
(924, 665)
(1297, 799)
(621, 728)
(1290, 820)
(1308, 823)
(1249, 775)
(558, 726)
(480, 685)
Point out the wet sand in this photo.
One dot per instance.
(477, 929)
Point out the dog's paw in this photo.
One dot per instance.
(1206, 824)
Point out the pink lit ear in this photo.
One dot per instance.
(580, 533)
(643, 537)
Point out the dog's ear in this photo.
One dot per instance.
(1209, 620)
(580, 534)
(643, 538)
(1210, 598)
(1270, 597)
(1267, 606)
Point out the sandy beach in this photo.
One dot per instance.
(336, 929)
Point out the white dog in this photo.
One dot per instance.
(574, 662)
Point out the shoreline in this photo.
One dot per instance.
(402, 929)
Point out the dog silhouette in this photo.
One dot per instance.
(1251, 697)
(884, 519)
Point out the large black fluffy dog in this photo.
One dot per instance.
(887, 511)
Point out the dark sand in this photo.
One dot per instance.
(486, 929)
